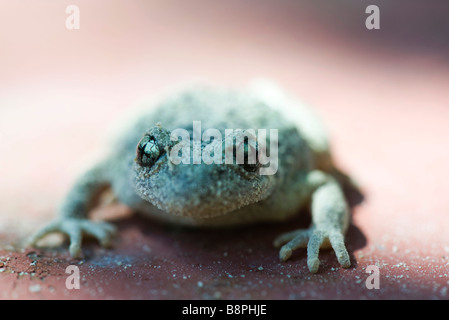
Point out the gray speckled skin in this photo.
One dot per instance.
(219, 194)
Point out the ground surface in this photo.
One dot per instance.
(382, 93)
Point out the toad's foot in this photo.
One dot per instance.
(75, 229)
(313, 239)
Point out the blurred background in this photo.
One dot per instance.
(382, 93)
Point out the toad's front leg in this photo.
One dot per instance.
(72, 219)
(330, 220)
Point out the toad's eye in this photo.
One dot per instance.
(147, 151)
(251, 162)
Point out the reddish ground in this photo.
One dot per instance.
(382, 93)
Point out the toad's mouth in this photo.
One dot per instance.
(200, 191)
